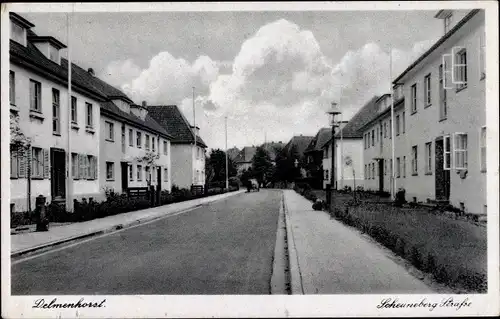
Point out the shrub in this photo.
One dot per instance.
(442, 275)
(400, 197)
(416, 257)
(400, 247)
(430, 264)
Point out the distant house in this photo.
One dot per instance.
(187, 159)
(314, 157)
(298, 145)
(244, 159)
(349, 147)
(232, 153)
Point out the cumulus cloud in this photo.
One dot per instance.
(120, 72)
(279, 83)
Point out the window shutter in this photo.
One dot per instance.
(22, 163)
(81, 166)
(46, 164)
(94, 167)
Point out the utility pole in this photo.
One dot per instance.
(393, 180)
(227, 168)
(333, 112)
(69, 176)
(194, 149)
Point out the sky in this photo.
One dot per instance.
(272, 74)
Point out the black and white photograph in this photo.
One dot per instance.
(280, 159)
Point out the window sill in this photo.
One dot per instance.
(483, 76)
(89, 129)
(413, 112)
(37, 115)
(428, 173)
(14, 177)
(428, 105)
(460, 88)
(443, 119)
(56, 134)
(110, 180)
(483, 171)
(414, 174)
(36, 178)
(108, 140)
(75, 126)
(14, 107)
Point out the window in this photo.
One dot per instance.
(385, 167)
(37, 162)
(90, 115)
(165, 174)
(373, 137)
(74, 166)
(14, 163)
(91, 167)
(35, 96)
(460, 69)
(18, 33)
(482, 145)
(428, 158)
(131, 172)
(373, 170)
(326, 175)
(139, 173)
(12, 88)
(110, 131)
(366, 174)
(74, 110)
(414, 158)
(148, 174)
(368, 140)
(404, 166)
(397, 124)
(139, 140)
(403, 120)
(446, 152)
(325, 153)
(390, 128)
(123, 139)
(390, 169)
(460, 150)
(482, 55)
(413, 98)
(442, 95)
(427, 89)
(110, 171)
(398, 167)
(147, 142)
(54, 54)
(153, 144)
(447, 23)
(385, 129)
(56, 112)
(165, 148)
(130, 137)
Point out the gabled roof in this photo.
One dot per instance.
(438, 43)
(353, 128)
(300, 142)
(246, 155)
(233, 152)
(397, 105)
(323, 135)
(30, 57)
(174, 122)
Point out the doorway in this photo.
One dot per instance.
(158, 178)
(442, 175)
(58, 174)
(124, 175)
(381, 175)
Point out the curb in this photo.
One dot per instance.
(280, 278)
(293, 263)
(112, 228)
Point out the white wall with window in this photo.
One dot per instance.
(41, 106)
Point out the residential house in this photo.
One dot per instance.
(232, 153)
(295, 148)
(314, 157)
(244, 159)
(440, 135)
(188, 159)
(38, 81)
(134, 148)
(348, 170)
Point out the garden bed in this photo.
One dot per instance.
(453, 251)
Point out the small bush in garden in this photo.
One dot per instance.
(430, 263)
(400, 247)
(442, 275)
(318, 205)
(416, 257)
(400, 197)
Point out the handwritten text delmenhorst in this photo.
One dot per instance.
(445, 303)
(41, 303)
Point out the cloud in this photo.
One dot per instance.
(120, 72)
(279, 84)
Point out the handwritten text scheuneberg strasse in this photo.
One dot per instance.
(41, 303)
(445, 303)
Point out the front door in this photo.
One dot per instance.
(58, 173)
(158, 178)
(124, 175)
(381, 175)
(442, 175)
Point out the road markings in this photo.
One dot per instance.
(100, 236)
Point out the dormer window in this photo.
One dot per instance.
(447, 23)
(49, 46)
(54, 54)
(446, 16)
(18, 28)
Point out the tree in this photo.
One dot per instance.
(216, 166)
(285, 165)
(261, 165)
(149, 159)
(18, 140)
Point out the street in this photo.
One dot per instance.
(225, 247)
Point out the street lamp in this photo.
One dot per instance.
(334, 111)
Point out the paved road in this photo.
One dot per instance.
(225, 247)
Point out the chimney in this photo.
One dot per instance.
(144, 104)
(91, 71)
(139, 110)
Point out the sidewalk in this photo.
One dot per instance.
(327, 257)
(28, 242)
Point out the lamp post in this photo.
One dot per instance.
(334, 111)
